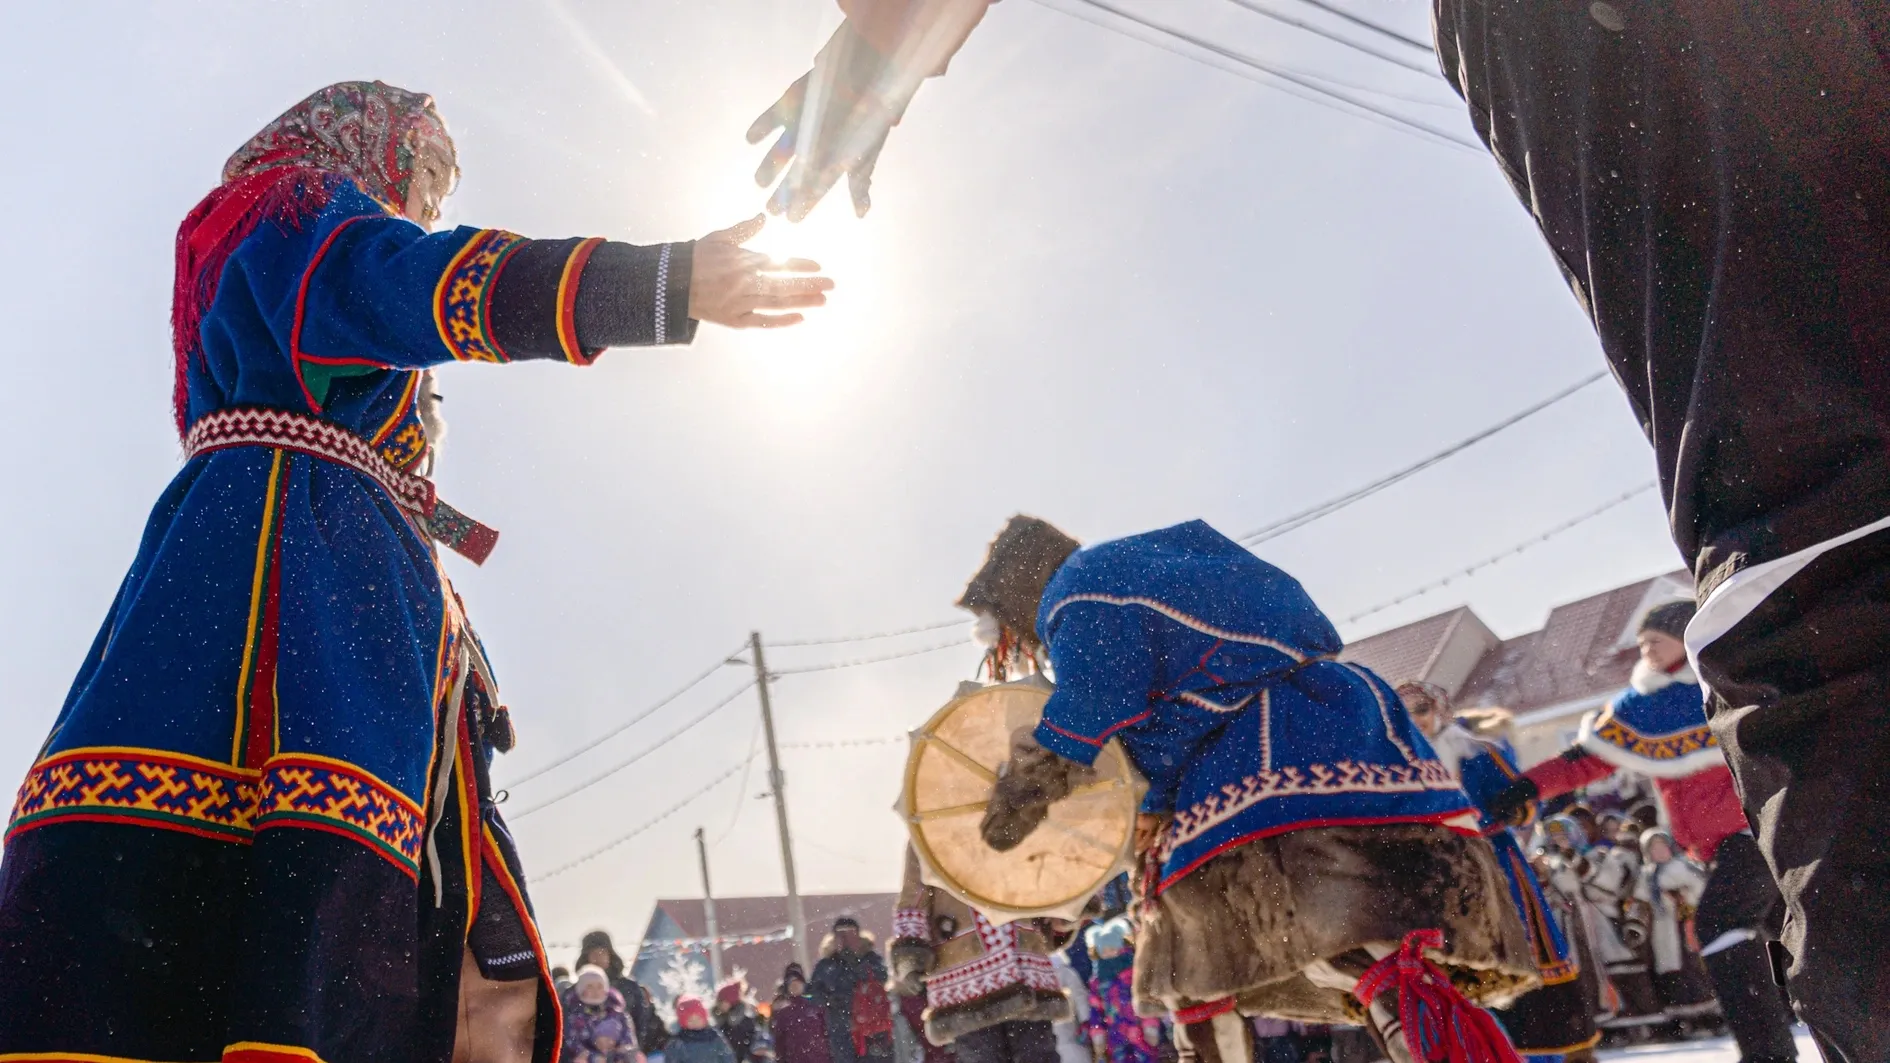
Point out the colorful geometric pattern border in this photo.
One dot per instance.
(1611, 730)
(463, 297)
(139, 786)
(299, 790)
(1326, 780)
(170, 791)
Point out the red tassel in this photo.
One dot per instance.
(210, 233)
(1441, 1025)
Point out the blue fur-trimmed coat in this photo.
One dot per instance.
(1216, 671)
(259, 829)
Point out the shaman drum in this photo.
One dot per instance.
(1086, 839)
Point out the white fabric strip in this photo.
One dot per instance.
(1741, 593)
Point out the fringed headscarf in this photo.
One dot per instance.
(364, 131)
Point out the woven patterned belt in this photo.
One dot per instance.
(255, 427)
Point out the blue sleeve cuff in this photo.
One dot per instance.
(1066, 745)
(1158, 802)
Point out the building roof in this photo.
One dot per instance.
(1583, 652)
(737, 916)
(1404, 653)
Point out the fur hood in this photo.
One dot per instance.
(828, 945)
(1647, 679)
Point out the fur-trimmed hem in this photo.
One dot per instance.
(1247, 923)
(945, 1025)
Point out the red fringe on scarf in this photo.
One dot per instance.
(211, 232)
(1440, 1024)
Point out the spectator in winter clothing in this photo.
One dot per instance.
(1666, 893)
(798, 1025)
(847, 963)
(1658, 727)
(696, 1040)
(597, 950)
(736, 1020)
(597, 1029)
(561, 980)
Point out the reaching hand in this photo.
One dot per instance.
(857, 100)
(731, 286)
(1513, 801)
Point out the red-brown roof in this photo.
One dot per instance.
(1579, 654)
(1403, 653)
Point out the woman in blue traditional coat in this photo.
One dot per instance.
(1553, 1022)
(1308, 856)
(260, 829)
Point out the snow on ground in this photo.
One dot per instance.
(1711, 1050)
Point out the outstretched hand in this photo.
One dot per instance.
(734, 287)
(842, 135)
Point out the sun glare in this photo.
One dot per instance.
(817, 361)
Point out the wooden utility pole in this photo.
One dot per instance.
(708, 914)
(777, 783)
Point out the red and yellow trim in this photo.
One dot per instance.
(462, 299)
(515, 892)
(260, 1052)
(141, 787)
(296, 354)
(336, 797)
(255, 738)
(567, 301)
(73, 1057)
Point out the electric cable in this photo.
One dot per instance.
(1295, 521)
(1365, 23)
(838, 640)
(1536, 540)
(639, 755)
(627, 724)
(857, 662)
(1339, 38)
(645, 825)
(1402, 123)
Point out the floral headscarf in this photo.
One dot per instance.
(367, 132)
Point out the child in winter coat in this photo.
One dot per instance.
(597, 1028)
(1668, 891)
(1116, 1033)
(797, 1024)
(696, 1041)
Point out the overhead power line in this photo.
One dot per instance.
(627, 724)
(1295, 521)
(1537, 540)
(857, 662)
(645, 825)
(1365, 23)
(838, 640)
(1322, 95)
(1339, 38)
(640, 754)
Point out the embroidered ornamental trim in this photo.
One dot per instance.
(1324, 780)
(910, 923)
(110, 784)
(1004, 964)
(172, 791)
(463, 297)
(1611, 730)
(313, 436)
(300, 790)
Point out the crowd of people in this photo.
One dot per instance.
(1609, 868)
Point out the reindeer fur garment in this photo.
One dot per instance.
(1247, 922)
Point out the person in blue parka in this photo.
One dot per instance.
(1304, 849)
(260, 830)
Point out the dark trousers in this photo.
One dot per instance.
(1016, 1041)
(1742, 895)
(1802, 706)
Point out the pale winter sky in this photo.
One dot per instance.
(1101, 283)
